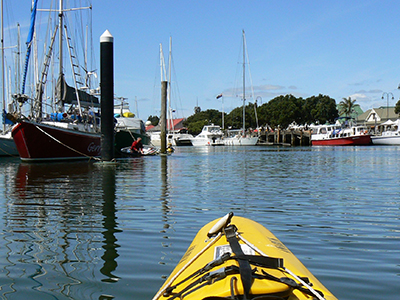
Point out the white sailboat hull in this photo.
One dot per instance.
(7, 145)
(240, 141)
(207, 142)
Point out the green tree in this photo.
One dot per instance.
(154, 120)
(320, 108)
(346, 106)
(195, 122)
(283, 110)
(397, 107)
(235, 118)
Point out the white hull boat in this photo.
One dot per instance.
(240, 140)
(7, 145)
(390, 134)
(211, 135)
(173, 138)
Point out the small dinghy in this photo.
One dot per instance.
(237, 258)
(147, 151)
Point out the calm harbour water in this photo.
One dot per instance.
(86, 231)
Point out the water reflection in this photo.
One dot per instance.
(40, 180)
(61, 234)
(48, 227)
(110, 224)
(164, 197)
(53, 221)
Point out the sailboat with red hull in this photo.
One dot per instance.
(41, 141)
(73, 132)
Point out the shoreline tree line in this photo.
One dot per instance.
(280, 111)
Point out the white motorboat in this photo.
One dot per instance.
(175, 138)
(211, 135)
(389, 133)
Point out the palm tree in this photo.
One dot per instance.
(346, 106)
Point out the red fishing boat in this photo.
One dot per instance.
(339, 135)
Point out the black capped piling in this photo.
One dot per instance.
(107, 95)
(163, 118)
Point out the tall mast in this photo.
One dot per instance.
(18, 59)
(171, 122)
(60, 27)
(244, 82)
(2, 62)
(162, 65)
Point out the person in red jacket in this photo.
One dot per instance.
(137, 146)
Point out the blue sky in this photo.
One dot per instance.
(305, 48)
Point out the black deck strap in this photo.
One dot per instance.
(262, 261)
(244, 265)
(216, 262)
(206, 279)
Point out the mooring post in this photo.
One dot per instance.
(107, 95)
(163, 119)
(301, 137)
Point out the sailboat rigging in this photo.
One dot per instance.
(175, 137)
(67, 134)
(242, 139)
(7, 145)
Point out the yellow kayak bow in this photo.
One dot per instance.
(237, 258)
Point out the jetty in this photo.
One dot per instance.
(285, 137)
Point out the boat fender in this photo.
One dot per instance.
(222, 223)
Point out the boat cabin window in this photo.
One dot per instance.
(213, 128)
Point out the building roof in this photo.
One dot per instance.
(378, 115)
(176, 124)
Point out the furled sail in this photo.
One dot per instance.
(68, 95)
(29, 44)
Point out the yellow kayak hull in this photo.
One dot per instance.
(254, 239)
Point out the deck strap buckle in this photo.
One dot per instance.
(244, 265)
(262, 261)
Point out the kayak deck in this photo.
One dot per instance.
(240, 259)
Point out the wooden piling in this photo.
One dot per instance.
(163, 120)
